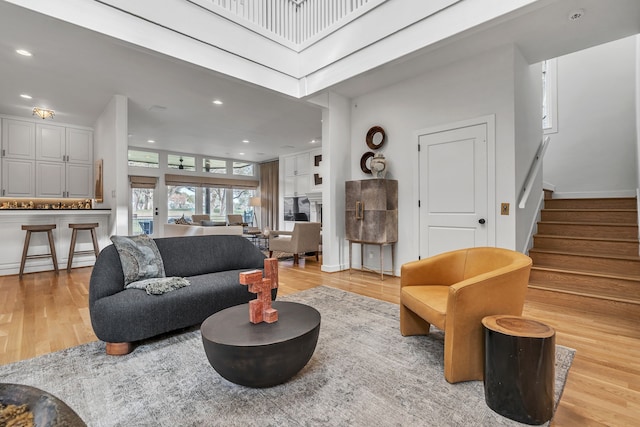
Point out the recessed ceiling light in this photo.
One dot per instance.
(23, 52)
(151, 141)
(246, 141)
(217, 102)
(25, 96)
(242, 154)
(575, 15)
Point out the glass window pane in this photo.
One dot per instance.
(214, 166)
(144, 159)
(187, 163)
(214, 203)
(142, 210)
(180, 201)
(243, 168)
(241, 204)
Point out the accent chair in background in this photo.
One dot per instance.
(454, 291)
(304, 238)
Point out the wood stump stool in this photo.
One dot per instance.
(519, 368)
(74, 234)
(36, 229)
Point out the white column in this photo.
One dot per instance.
(336, 156)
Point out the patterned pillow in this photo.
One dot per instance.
(182, 221)
(139, 257)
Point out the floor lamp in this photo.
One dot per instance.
(255, 203)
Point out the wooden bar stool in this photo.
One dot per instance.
(35, 229)
(74, 234)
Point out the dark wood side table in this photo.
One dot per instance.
(519, 368)
(263, 354)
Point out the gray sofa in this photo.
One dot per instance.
(212, 264)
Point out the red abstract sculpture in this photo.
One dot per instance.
(260, 309)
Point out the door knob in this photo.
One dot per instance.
(481, 221)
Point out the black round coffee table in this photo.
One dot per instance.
(264, 354)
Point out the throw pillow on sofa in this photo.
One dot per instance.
(160, 285)
(139, 257)
(182, 221)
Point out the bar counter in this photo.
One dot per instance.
(12, 220)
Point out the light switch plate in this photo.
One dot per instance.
(504, 209)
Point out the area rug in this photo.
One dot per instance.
(363, 373)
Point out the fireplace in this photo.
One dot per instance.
(315, 199)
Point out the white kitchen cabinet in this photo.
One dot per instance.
(79, 146)
(18, 139)
(295, 186)
(297, 164)
(50, 143)
(45, 160)
(18, 178)
(296, 178)
(58, 179)
(79, 180)
(57, 143)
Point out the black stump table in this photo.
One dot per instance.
(519, 368)
(264, 354)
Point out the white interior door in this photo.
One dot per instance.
(453, 189)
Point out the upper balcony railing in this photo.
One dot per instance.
(293, 23)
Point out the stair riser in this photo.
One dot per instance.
(568, 281)
(587, 304)
(617, 217)
(623, 203)
(579, 230)
(588, 263)
(587, 246)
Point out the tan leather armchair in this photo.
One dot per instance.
(305, 237)
(454, 291)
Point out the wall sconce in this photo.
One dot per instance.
(43, 113)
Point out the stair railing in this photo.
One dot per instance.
(536, 165)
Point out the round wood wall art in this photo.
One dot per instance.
(363, 162)
(376, 137)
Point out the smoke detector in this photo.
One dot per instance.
(576, 15)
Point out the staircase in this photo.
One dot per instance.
(588, 248)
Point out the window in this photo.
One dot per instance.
(214, 166)
(241, 205)
(142, 210)
(214, 203)
(180, 202)
(186, 163)
(143, 159)
(549, 96)
(243, 168)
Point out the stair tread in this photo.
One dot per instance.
(535, 285)
(604, 275)
(586, 254)
(588, 210)
(599, 239)
(614, 224)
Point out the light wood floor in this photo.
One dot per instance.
(46, 313)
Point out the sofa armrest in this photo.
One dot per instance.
(107, 277)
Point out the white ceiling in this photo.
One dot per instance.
(76, 72)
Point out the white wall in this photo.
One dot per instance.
(110, 145)
(476, 87)
(528, 136)
(594, 151)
